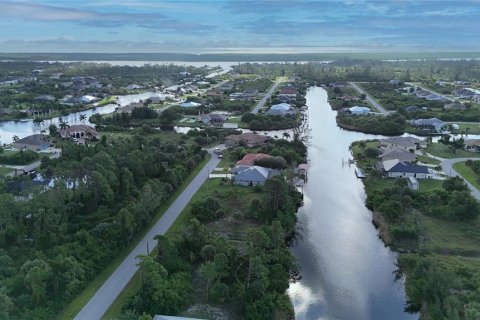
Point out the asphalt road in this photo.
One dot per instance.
(429, 90)
(447, 167)
(269, 93)
(109, 291)
(369, 99)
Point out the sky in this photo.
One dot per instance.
(247, 26)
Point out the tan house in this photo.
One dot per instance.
(34, 142)
(79, 131)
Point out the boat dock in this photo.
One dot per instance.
(359, 173)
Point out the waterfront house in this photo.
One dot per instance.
(359, 111)
(33, 142)
(249, 159)
(248, 139)
(253, 176)
(190, 104)
(398, 153)
(405, 143)
(433, 124)
(472, 145)
(134, 87)
(455, 106)
(79, 131)
(129, 107)
(213, 118)
(402, 169)
(288, 91)
(281, 109)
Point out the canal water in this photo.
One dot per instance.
(24, 128)
(347, 272)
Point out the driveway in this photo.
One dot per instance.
(447, 167)
(369, 98)
(109, 291)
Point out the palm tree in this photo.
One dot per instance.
(83, 117)
(64, 125)
(38, 121)
(286, 135)
(52, 130)
(15, 138)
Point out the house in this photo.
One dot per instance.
(281, 109)
(339, 84)
(413, 183)
(184, 74)
(405, 143)
(213, 118)
(249, 159)
(397, 153)
(347, 98)
(214, 93)
(434, 124)
(302, 169)
(79, 131)
(248, 139)
(402, 169)
(455, 106)
(129, 108)
(227, 86)
(288, 91)
(253, 176)
(87, 99)
(33, 142)
(395, 82)
(190, 104)
(427, 95)
(411, 109)
(359, 111)
(472, 145)
(134, 87)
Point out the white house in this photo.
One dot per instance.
(190, 104)
(253, 176)
(281, 109)
(359, 111)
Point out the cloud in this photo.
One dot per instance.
(108, 19)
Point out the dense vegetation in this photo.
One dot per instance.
(435, 231)
(260, 122)
(103, 196)
(21, 157)
(393, 124)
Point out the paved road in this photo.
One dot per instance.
(269, 93)
(109, 291)
(429, 90)
(18, 170)
(447, 167)
(369, 98)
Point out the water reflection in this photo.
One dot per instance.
(347, 272)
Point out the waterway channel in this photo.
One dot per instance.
(347, 272)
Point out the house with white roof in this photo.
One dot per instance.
(281, 109)
(359, 111)
(190, 104)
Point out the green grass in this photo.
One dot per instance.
(4, 171)
(473, 128)
(79, 302)
(442, 150)
(467, 173)
(428, 160)
(427, 185)
(106, 101)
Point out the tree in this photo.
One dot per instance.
(38, 121)
(37, 273)
(15, 138)
(52, 130)
(63, 125)
(83, 117)
(6, 304)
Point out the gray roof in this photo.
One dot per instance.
(402, 141)
(431, 121)
(254, 174)
(399, 154)
(35, 139)
(160, 317)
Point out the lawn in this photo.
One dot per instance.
(471, 128)
(428, 160)
(441, 150)
(77, 304)
(467, 173)
(4, 171)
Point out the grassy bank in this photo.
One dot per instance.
(443, 151)
(467, 173)
(81, 300)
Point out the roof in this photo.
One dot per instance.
(190, 104)
(253, 173)
(430, 121)
(303, 166)
(472, 142)
(399, 154)
(288, 90)
(402, 141)
(81, 127)
(249, 159)
(403, 166)
(280, 106)
(248, 137)
(34, 139)
(359, 109)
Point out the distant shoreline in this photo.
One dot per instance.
(234, 57)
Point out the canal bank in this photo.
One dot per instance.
(347, 272)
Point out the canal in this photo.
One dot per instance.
(347, 272)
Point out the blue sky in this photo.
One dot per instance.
(238, 26)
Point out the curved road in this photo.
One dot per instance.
(369, 98)
(109, 291)
(447, 167)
